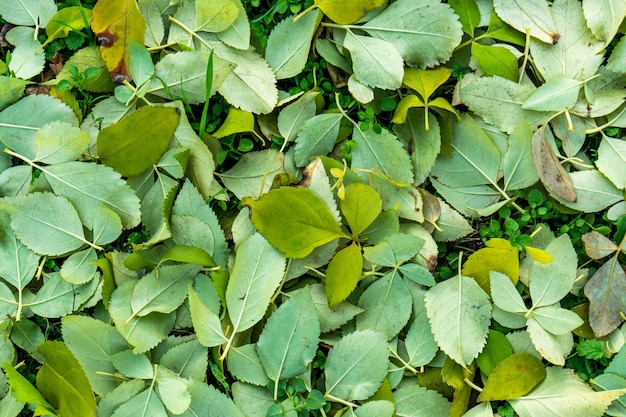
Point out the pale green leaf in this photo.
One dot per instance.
(612, 160)
(376, 408)
(251, 399)
(515, 376)
(155, 29)
(253, 174)
(499, 102)
(10, 407)
(245, 365)
(106, 225)
(144, 404)
(481, 410)
(604, 17)
(553, 348)
(317, 137)
(533, 15)
(387, 306)
(469, 201)
(460, 314)
(331, 318)
(305, 222)
(373, 149)
(62, 380)
(343, 274)
(19, 263)
(78, 267)
(89, 186)
(28, 57)
(174, 161)
(120, 395)
(215, 15)
(93, 342)
(11, 89)
(406, 200)
(221, 405)
(616, 61)
(29, 12)
(289, 340)
(16, 180)
(20, 121)
(517, 164)
(420, 343)
(394, 250)
(143, 333)
(187, 254)
(417, 273)
(26, 335)
(425, 144)
(563, 393)
(452, 225)
(140, 63)
(237, 35)
(188, 359)
(289, 42)
(594, 192)
(131, 151)
(293, 117)
(356, 365)
(155, 208)
(425, 33)
(361, 92)
(557, 93)
(550, 282)
(556, 320)
(163, 290)
(172, 390)
(256, 274)
(57, 297)
(496, 60)
(505, 295)
(417, 401)
(182, 75)
(376, 62)
(328, 50)
(475, 159)
(608, 381)
(132, 365)
(205, 321)
(575, 55)
(41, 215)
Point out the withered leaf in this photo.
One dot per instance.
(552, 174)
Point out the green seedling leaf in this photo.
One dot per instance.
(343, 274)
(496, 60)
(289, 340)
(460, 313)
(237, 121)
(417, 400)
(612, 160)
(132, 365)
(533, 15)
(515, 376)
(67, 20)
(93, 342)
(25, 392)
(376, 62)
(469, 14)
(215, 15)
(305, 222)
(83, 59)
(62, 380)
(344, 14)
(356, 365)
(556, 94)
(497, 349)
(360, 207)
(129, 150)
(552, 174)
(288, 44)
(562, 393)
(386, 306)
(498, 255)
(414, 28)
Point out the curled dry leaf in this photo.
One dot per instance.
(552, 174)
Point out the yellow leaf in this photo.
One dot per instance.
(403, 107)
(116, 22)
(442, 103)
(347, 12)
(539, 255)
(498, 255)
(425, 82)
(237, 121)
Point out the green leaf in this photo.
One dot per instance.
(58, 142)
(498, 256)
(107, 226)
(556, 94)
(594, 192)
(253, 173)
(144, 404)
(19, 263)
(29, 12)
(612, 161)
(414, 400)
(62, 380)
(317, 137)
(288, 44)
(292, 118)
(131, 151)
(425, 144)
(534, 15)
(460, 314)
(604, 17)
(518, 165)
(206, 323)
(343, 274)
(360, 207)
(237, 121)
(188, 359)
(304, 223)
(554, 177)
(478, 200)
(376, 62)
(553, 348)
(505, 295)
(419, 343)
(25, 392)
(497, 349)
(141, 332)
(44, 214)
(66, 20)
(172, 390)
(426, 82)
(616, 61)
(78, 268)
(11, 90)
(132, 365)
(475, 159)
(215, 16)
(221, 405)
(252, 399)
(28, 56)
(90, 57)
(256, 274)
(156, 207)
(556, 320)
(245, 365)
(140, 63)
(394, 250)
(415, 28)
(187, 254)
(564, 393)
(469, 14)
(356, 365)
(93, 342)
(387, 306)
(289, 340)
(237, 35)
(331, 318)
(515, 376)
(373, 149)
(551, 282)
(496, 60)
(453, 226)
(155, 29)
(57, 297)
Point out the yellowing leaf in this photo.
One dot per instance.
(538, 255)
(343, 274)
(361, 206)
(425, 82)
(499, 255)
(515, 376)
(346, 12)
(403, 107)
(116, 22)
(237, 121)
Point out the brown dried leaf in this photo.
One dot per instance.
(553, 176)
(597, 245)
(606, 291)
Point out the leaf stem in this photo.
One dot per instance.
(526, 55)
(161, 47)
(404, 363)
(340, 401)
(305, 11)
(471, 384)
(189, 31)
(607, 124)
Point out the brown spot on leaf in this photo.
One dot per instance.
(107, 39)
(555, 38)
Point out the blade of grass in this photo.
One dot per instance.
(207, 91)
